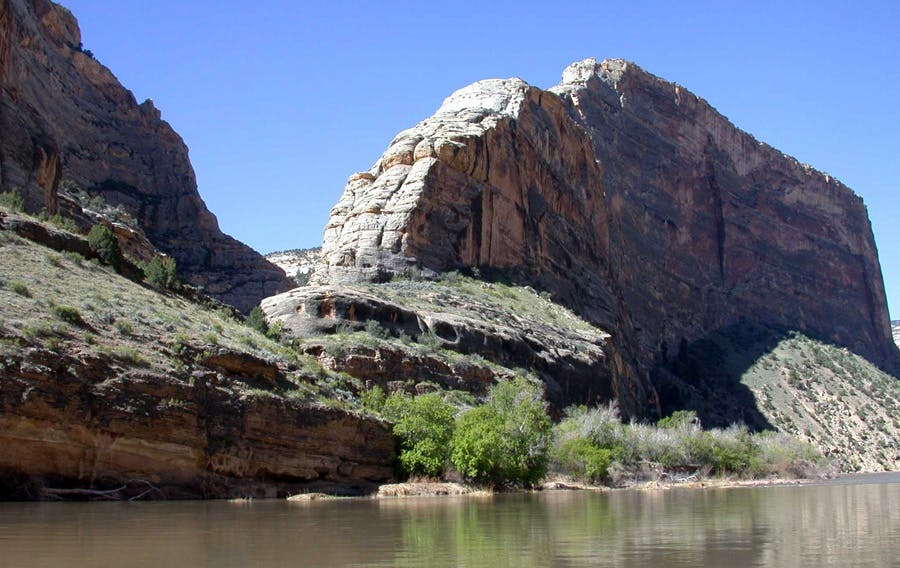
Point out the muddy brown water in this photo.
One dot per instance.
(852, 521)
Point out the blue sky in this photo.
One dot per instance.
(280, 101)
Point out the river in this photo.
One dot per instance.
(852, 521)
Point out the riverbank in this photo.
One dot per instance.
(426, 488)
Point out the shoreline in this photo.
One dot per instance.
(429, 489)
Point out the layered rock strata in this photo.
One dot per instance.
(471, 340)
(65, 117)
(75, 426)
(629, 199)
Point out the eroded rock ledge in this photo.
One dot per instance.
(501, 328)
(78, 421)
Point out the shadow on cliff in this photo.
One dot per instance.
(705, 375)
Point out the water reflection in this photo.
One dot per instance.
(820, 525)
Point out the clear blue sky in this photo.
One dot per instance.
(280, 101)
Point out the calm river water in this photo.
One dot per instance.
(850, 522)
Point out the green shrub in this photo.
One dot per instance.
(425, 426)
(53, 259)
(373, 399)
(126, 355)
(67, 314)
(105, 244)
(12, 200)
(63, 223)
(19, 288)
(678, 419)
(581, 458)
(161, 273)
(374, 329)
(123, 326)
(257, 320)
(481, 450)
(274, 331)
(506, 440)
(73, 257)
(429, 341)
(734, 451)
(41, 330)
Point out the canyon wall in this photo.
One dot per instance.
(64, 117)
(629, 199)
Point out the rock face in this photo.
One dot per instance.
(299, 264)
(64, 116)
(895, 331)
(76, 422)
(474, 333)
(629, 199)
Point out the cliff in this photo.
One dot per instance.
(630, 200)
(66, 121)
(112, 390)
(298, 264)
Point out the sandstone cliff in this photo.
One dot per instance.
(65, 117)
(112, 390)
(630, 200)
(298, 264)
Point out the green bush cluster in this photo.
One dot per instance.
(12, 200)
(676, 444)
(67, 314)
(581, 458)
(257, 320)
(19, 288)
(504, 441)
(507, 439)
(424, 424)
(161, 273)
(105, 244)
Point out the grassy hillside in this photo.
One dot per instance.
(786, 381)
(837, 400)
(66, 304)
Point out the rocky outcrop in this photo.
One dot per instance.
(76, 426)
(472, 338)
(61, 240)
(110, 389)
(629, 199)
(64, 116)
(299, 264)
(895, 331)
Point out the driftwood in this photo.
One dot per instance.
(99, 494)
